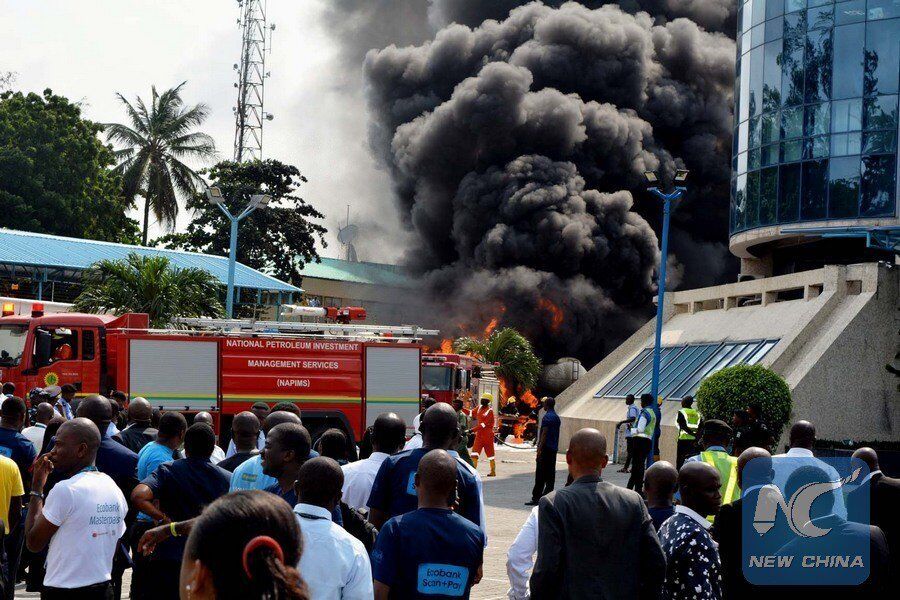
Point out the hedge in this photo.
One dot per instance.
(734, 388)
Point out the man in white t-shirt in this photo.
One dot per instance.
(82, 518)
(42, 415)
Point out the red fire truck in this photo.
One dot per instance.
(446, 376)
(339, 374)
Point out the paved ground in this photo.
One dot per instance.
(505, 512)
(504, 498)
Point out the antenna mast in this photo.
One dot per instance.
(256, 41)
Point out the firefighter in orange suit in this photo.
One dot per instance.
(484, 432)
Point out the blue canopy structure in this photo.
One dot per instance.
(50, 258)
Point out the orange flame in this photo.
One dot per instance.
(491, 327)
(556, 315)
(527, 396)
(504, 390)
(507, 390)
(447, 346)
(519, 431)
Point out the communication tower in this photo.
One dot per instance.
(256, 42)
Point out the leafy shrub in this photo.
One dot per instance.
(734, 388)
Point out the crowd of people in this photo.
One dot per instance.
(680, 534)
(92, 486)
(747, 430)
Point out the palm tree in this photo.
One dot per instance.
(511, 351)
(149, 284)
(152, 149)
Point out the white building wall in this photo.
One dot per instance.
(835, 342)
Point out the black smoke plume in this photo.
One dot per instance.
(517, 141)
(712, 15)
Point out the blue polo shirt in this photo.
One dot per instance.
(184, 488)
(19, 448)
(428, 553)
(149, 458)
(394, 490)
(550, 424)
(249, 476)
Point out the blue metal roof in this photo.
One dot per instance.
(40, 251)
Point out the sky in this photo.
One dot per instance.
(91, 50)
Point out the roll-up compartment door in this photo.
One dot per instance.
(392, 382)
(175, 374)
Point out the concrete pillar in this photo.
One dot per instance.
(756, 268)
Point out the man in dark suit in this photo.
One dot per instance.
(727, 531)
(595, 540)
(139, 433)
(884, 503)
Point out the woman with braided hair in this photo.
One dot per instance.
(244, 546)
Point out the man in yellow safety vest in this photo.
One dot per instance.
(688, 421)
(715, 437)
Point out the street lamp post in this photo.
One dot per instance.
(667, 198)
(214, 195)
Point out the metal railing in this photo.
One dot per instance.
(399, 333)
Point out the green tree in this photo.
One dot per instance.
(511, 351)
(734, 388)
(149, 284)
(278, 239)
(54, 171)
(152, 149)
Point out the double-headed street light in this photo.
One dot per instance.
(653, 186)
(214, 195)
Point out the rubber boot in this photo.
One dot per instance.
(475, 461)
(493, 472)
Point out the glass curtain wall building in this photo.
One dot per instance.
(816, 107)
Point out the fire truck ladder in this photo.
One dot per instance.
(384, 333)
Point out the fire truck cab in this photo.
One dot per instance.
(445, 376)
(448, 376)
(40, 350)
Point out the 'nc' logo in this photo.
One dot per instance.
(797, 508)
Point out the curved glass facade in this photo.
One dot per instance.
(815, 111)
